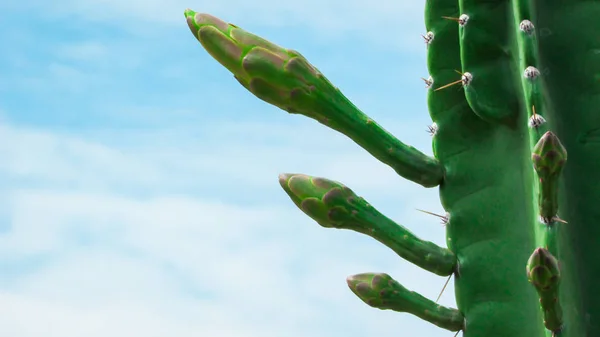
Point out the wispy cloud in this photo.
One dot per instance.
(386, 22)
(101, 245)
(84, 51)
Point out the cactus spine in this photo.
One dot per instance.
(531, 92)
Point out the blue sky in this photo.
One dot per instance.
(139, 179)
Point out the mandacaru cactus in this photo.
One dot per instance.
(523, 223)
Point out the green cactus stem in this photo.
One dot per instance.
(383, 292)
(333, 205)
(482, 142)
(285, 79)
(549, 157)
(544, 274)
(527, 72)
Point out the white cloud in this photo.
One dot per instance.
(83, 51)
(388, 22)
(249, 152)
(121, 263)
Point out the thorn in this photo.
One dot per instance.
(448, 85)
(465, 79)
(458, 72)
(462, 20)
(450, 18)
(533, 110)
(444, 288)
(557, 219)
(428, 82)
(456, 334)
(430, 213)
(443, 217)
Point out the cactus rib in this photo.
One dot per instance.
(484, 53)
(333, 205)
(285, 79)
(381, 291)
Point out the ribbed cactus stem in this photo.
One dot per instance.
(333, 205)
(543, 273)
(381, 291)
(285, 79)
(481, 133)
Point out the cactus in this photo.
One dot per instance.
(522, 220)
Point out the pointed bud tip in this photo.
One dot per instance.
(549, 136)
(189, 18)
(549, 152)
(368, 278)
(189, 12)
(296, 184)
(352, 279)
(542, 256)
(285, 176)
(541, 253)
(284, 179)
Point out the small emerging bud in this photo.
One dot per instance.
(548, 156)
(543, 270)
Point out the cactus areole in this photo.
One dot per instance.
(523, 222)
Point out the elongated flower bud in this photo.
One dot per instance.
(284, 78)
(543, 273)
(334, 205)
(383, 292)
